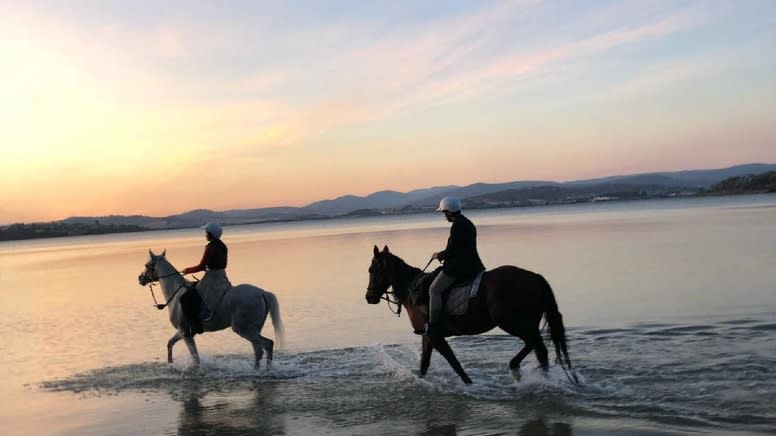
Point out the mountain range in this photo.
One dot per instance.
(477, 195)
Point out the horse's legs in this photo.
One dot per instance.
(425, 355)
(192, 349)
(257, 341)
(541, 351)
(529, 333)
(514, 364)
(444, 349)
(173, 340)
(269, 346)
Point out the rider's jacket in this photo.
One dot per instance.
(214, 257)
(460, 257)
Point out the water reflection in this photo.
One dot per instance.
(610, 272)
(539, 427)
(252, 409)
(440, 430)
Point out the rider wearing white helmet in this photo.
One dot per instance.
(214, 283)
(460, 259)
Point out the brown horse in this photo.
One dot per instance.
(509, 297)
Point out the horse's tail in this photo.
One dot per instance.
(557, 330)
(274, 311)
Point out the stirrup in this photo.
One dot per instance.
(206, 313)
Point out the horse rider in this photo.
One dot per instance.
(214, 283)
(460, 261)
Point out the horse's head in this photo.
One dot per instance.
(379, 278)
(151, 273)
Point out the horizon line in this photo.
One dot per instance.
(453, 186)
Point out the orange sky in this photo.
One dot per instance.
(105, 110)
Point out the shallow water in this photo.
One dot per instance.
(669, 307)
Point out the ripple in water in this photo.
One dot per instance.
(695, 376)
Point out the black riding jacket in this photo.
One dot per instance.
(460, 257)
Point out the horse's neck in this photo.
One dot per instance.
(169, 280)
(403, 274)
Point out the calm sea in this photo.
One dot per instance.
(670, 307)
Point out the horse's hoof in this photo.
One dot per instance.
(516, 374)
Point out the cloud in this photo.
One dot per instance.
(449, 60)
(224, 91)
(182, 70)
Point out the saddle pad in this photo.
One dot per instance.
(213, 286)
(458, 297)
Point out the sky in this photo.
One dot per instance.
(157, 108)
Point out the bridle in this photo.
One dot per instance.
(389, 295)
(151, 269)
(395, 301)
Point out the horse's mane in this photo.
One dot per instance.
(400, 262)
(404, 273)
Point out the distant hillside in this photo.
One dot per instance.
(652, 183)
(476, 190)
(348, 203)
(552, 194)
(55, 230)
(748, 184)
(691, 178)
(379, 200)
(737, 179)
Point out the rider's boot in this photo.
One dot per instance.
(196, 326)
(190, 303)
(433, 331)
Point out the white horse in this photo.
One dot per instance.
(243, 307)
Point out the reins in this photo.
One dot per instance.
(395, 302)
(392, 293)
(151, 288)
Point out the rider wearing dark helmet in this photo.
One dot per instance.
(213, 284)
(460, 259)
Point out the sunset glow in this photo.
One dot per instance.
(158, 108)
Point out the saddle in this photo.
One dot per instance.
(456, 298)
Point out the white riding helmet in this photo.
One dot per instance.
(214, 229)
(449, 204)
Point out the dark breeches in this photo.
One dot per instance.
(191, 303)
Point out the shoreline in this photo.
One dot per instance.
(111, 228)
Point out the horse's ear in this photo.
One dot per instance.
(385, 249)
(377, 251)
(164, 253)
(151, 253)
